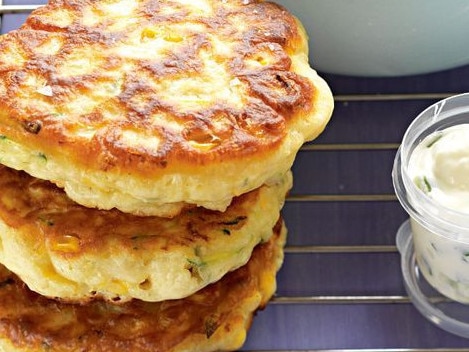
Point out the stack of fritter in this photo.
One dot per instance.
(146, 149)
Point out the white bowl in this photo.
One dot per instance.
(384, 37)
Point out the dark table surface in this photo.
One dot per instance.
(341, 286)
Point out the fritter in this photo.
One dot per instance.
(62, 249)
(216, 318)
(149, 106)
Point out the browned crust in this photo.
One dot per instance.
(33, 323)
(276, 96)
(43, 213)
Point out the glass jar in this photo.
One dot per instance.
(434, 241)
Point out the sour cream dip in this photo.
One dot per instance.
(431, 181)
(439, 168)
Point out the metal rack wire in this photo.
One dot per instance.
(345, 249)
(390, 300)
(345, 299)
(5, 9)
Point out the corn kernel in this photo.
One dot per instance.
(173, 37)
(202, 146)
(262, 61)
(156, 32)
(150, 33)
(267, 284)
(117, 286)
(239, 338)
(66, 243)
(9, 202)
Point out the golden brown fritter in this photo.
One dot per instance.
(213, 319)
(62, 249)
(149, 105)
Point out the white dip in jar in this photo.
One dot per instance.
(431, 179)
(439, 167)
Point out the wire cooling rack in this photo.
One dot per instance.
(340, 288)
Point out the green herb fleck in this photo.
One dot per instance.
(424, 263)
(3, 137)
(423, 184)
(196, 262)
(235, 221)
(436, 139)
(138, 239)
(198, 251)
(453, 283)
(46, 221)
(465, 256)
(211, 325)
(42, 156)
(226, 232)
(428, 187)
(195, 266)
